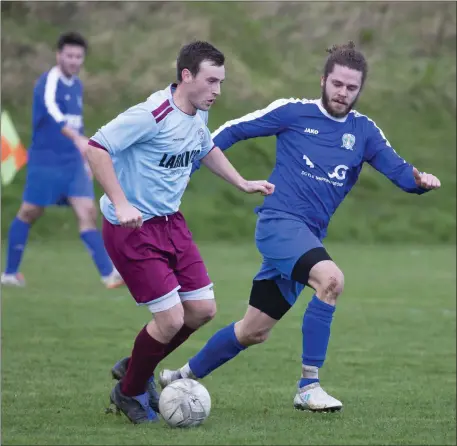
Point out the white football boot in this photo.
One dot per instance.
(114, 280)
(16, 280)
(167, 377)
(314, 398)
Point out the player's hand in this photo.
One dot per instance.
(426, 180)
(81, 144)
(128, 216)
(262, 186)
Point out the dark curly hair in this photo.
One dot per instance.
(346, 56)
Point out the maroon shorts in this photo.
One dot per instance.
(156, 259)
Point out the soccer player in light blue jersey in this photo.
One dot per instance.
(321, 148)
(57, 173)
(143, 159)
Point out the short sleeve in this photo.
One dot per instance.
(135, 125)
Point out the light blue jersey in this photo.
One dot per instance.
(153, 146)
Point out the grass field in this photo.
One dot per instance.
(391, 357)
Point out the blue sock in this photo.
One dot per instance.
(316, 334)
(17, 239)
(94, 244)
(220, 348)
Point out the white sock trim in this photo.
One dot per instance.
(186, 372)
(309, 372)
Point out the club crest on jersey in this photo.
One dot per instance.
(348, 141)
(201, 135)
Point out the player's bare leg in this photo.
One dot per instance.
(328, 281)
(27, 215)
(86, 213)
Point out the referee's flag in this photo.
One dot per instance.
(14, 156)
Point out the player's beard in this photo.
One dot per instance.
(326, 104)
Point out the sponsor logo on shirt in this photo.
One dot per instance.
(181, 160)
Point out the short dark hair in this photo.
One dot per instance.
(194, 53)
(71, 38)
(346, 56)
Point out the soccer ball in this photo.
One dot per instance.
(184, 403)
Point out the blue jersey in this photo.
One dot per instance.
(57, 101)
(152, 146)
(318, 157)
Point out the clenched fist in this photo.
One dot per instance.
(129, 216)
(426, 180)
(262, 186)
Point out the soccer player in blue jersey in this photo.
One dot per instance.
(57, 173)
(321, 148)
(143, 159)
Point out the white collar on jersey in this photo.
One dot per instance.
(318, 102)
(68, 81)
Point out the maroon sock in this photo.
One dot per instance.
(146, 354)
(178, 339)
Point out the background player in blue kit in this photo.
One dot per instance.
(321, 148)
(57, 173)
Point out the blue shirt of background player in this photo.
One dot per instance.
(57, 101)
(318, 157)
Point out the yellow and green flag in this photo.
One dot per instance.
(14, 156)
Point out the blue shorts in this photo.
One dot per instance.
(282, 239)
(47, 186)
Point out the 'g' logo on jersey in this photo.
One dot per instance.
(348, 141)
(339, 173)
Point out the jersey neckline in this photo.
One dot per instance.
(171, 88)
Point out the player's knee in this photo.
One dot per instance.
(248, 335)
(331, 286)
(199, 312)
(309, 264)
(29, 213)
(167, 323)
(208, 312)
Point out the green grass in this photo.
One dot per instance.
(391, 358)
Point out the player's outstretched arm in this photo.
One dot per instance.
(380, 154)
(217, 162)
(102, 167)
